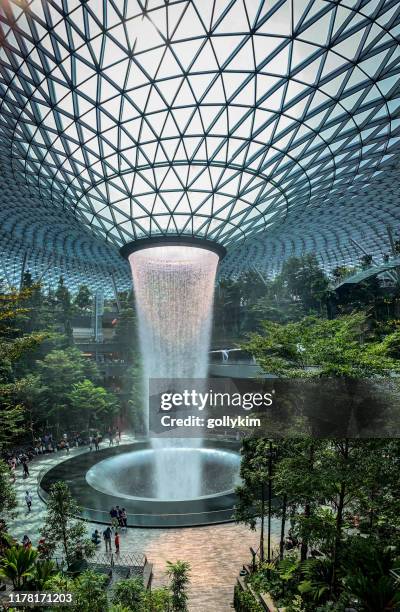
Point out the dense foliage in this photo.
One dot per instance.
(15, 345)
(46, 384)
(301, 289)
(338, 497)
(341, 500)
(346, 346)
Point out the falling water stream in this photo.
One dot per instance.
(174, 289)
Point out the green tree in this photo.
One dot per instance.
(299, 476)
(306, 282)
(30, 393)
(15, 346)
(253, 494)
(83, 298)
(179, 573)
(89, 592)
(126, 330)
(61, 528)
(341, 272)
(379, 489)
(343, 347)
(126, 337)
(8, 498)
(347, 352)
(92, 405)
(60, 370)
(344, 470)
(34, 321)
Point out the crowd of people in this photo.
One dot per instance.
(14, 461)
(45, 444)
(119, 522)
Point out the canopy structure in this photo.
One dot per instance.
(268, 126)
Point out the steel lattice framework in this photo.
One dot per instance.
(274, 120)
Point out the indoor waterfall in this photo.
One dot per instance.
(174, 288)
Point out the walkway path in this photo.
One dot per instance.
(216, 553)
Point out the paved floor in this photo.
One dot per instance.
(215, 553)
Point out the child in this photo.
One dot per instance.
(116, 541)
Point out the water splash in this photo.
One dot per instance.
(174, 290)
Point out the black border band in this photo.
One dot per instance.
(146, 243)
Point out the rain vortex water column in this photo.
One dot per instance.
(174, 290)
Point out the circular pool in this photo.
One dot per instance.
(197, 488)
(194, 473)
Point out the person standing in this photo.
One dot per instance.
(25, 467)
(28, 500)
(114, 517)
(107, 538)
(116, 541)
(124, 518)
(110, 437)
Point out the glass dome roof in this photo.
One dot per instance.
(276, 120)
(210, 118)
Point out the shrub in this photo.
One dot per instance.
(18, 565)
(129, 593)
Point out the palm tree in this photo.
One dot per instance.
(18, 564)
